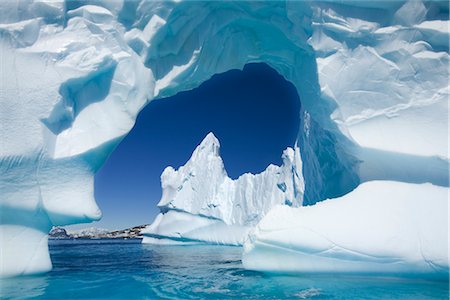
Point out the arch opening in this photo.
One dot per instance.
(254, 113)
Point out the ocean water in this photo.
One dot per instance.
(126, 269)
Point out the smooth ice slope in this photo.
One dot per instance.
(372, 77)
(382, 227)
(200, 203)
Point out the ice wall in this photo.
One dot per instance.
(71, 88)
(201, 204)
(372, 78)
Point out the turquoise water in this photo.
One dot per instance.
(126, 269)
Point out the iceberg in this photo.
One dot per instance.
(381, 227)
(372, 77)
(201, 204)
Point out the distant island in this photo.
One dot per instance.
(96, 233)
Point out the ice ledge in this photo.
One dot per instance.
(181, 228)
(382, 227)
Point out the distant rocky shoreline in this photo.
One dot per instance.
(97, 233)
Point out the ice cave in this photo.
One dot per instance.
(372, 77)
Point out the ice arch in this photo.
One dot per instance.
(372, 78)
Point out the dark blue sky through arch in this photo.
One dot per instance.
(254, 113)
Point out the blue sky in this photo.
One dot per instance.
(253, 113)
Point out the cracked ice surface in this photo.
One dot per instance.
(372, 78)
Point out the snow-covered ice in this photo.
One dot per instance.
(372, 77)
(382, 227)
(200, 203)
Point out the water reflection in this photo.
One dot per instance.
(129, 270)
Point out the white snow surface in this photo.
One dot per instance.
(372, 77)
(201, 203)
(381, 227)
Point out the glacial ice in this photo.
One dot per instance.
(201, 204)
(382, 227)
(372, 77)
